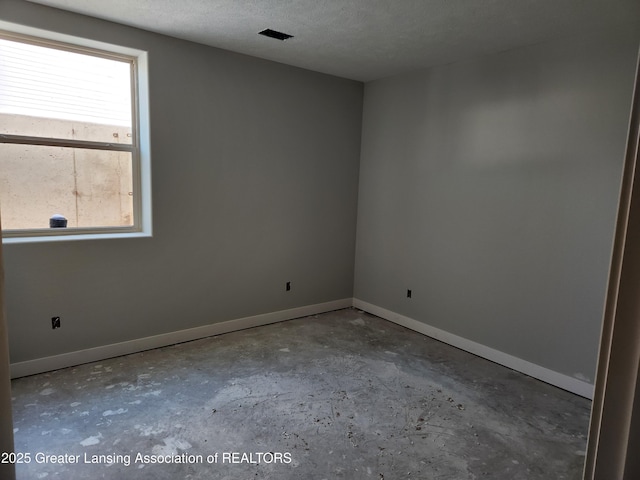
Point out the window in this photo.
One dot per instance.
(73, 140)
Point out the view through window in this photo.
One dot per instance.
(68, 141)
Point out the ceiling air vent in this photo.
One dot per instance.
(273, 34)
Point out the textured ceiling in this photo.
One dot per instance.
(365, 39)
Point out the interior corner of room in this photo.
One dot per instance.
(489, 186)
(474, 202)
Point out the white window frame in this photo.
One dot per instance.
(139, 148)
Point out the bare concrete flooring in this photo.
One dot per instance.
(339, 395)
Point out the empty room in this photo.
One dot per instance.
(319, 239)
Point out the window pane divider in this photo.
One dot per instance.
(61, 142)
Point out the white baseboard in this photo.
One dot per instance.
(40, 365)
(560, 380)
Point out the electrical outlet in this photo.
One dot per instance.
(288, 287)
(55, 322)
(408, 293)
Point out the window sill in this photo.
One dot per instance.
(74, 237)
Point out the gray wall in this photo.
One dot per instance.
(254, 174)
(489, 187)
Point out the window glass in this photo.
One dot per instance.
(68, 141)
(48, 92)
(90, 188)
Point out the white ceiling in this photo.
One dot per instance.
(365, 39)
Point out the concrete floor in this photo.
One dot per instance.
(339, 395)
